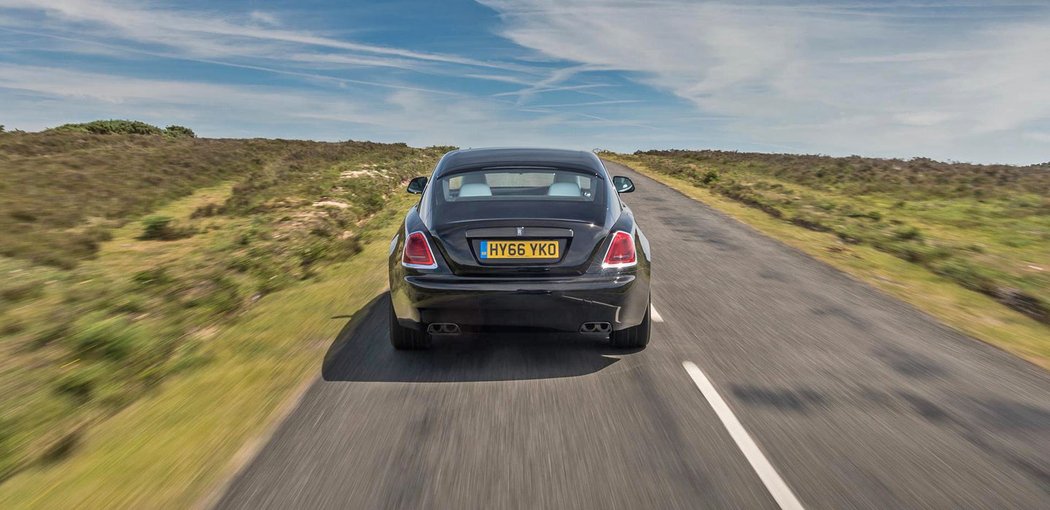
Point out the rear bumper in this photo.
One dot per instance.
(561, 304)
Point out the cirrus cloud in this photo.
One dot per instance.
(951, 80)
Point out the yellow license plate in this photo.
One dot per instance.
(530, 249)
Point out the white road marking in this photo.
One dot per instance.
(655, 314)
(766, 472)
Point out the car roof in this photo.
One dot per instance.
(503, 156)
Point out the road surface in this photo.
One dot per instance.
(772, 381)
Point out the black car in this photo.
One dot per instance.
(519, 239)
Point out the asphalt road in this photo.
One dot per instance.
(851, 399)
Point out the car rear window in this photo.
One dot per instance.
(500, 184)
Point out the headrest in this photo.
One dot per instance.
(563, 189)
(475, 190)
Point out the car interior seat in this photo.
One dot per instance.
(474, 185)
(564, 186)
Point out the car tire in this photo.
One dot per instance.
(634, 337)
(406, 339)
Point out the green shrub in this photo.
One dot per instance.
(907, 233)
(218, 294)
(849, 212)
(131, 303)
(111, 339)
(152, 276)
(918, 253)
(274, 283)
(346, 247)
(323, 230)
(809, 222)
(177, 131)
(744, 194)
(157, 227)
(82, 382)
(367, 194)
(20, 291)
(56, 330)
(162, 228)
(966, 274)
(111, 127)
(85, 243)
(11, 326)
(1017, 242)
(313, 252)
(23, 216)
(62, 448)
(849, 234)
(925, 254)
(207, 210)
(1025, 303)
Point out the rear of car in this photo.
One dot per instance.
(519, 239)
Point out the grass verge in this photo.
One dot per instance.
(187, 235)
(972, 312)
(170, 448)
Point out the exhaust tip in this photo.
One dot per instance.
(596, 328)
(443, 328)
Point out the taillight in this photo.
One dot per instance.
(417, 252)
(621, 251)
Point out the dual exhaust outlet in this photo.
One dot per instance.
(596, 328)
(443, 328)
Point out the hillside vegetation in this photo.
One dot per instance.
(124, 255)
(986, 228)
(967, 243)
(123, 127)
(163, 294)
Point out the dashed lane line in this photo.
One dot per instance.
(766, 472)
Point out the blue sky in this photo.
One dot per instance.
(952, 80)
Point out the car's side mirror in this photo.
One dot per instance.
(623, 184)
(417, 185)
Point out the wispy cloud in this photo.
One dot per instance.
(547, 84)
(41, 97)
(953, 79)
(589, 103)
(214, 36)
(532, 91)
(841, 80)
(96, 47)
(264, 18)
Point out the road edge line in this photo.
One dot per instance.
(776, 485)
(253, 447)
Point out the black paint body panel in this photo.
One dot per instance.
(556, 295)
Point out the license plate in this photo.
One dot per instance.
(519, 250)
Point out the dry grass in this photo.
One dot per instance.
(186, 237)
(902, 249)
(985, 227)
(173, 446)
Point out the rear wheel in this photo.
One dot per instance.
(406, 339)
(635, 337)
